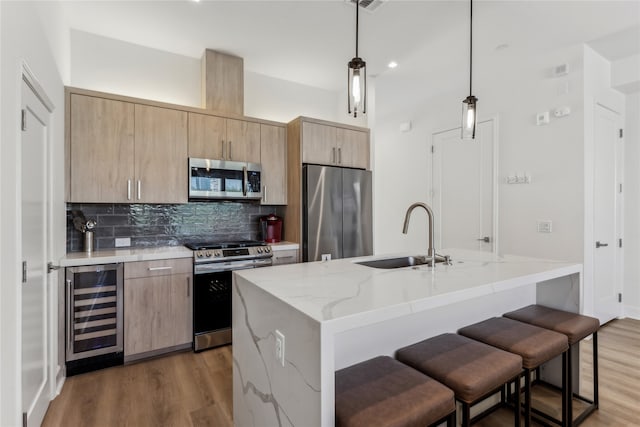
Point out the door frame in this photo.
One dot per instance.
(27, 76)
(495, 119)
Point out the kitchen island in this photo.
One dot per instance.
(336, 313)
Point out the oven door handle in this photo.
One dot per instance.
(215, 268)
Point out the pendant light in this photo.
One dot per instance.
(357, 79)
(469, 104)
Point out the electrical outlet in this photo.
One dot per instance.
(280, 347)
(123, 242)
(325, 257)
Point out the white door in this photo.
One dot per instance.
(35, 337)
(607, 267)
(464, 189)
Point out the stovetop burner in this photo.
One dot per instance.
(198, 246)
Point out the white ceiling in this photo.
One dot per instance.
(311, 41)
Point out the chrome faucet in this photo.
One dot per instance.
(431, 252)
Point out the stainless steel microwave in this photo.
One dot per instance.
(221, 179)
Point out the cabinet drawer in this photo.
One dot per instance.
(285, 257)
(161, 267)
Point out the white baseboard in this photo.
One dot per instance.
(632, 312)
(60, 380)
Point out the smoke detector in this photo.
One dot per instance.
(368, 5)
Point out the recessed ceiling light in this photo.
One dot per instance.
(392, 64)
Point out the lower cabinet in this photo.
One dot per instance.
(287, 256)
(157, 306)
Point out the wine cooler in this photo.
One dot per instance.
(94, 317)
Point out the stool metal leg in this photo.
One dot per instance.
(451, 419)
(517, 403)
(466, 414)
(527, 398)
(567, 388)
(595, 370)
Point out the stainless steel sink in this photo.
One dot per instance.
(406, 261)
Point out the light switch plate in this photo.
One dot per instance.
(545, 226)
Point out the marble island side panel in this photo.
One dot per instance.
(265, 393)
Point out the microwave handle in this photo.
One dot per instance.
(246, 181)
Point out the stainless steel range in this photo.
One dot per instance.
(213, 264)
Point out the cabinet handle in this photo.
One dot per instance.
(139, 189)
(159, 268)
(333, 155)
(339, 155)
(128, 189)
(222, 149)
(188, 290)
(264, 193)
(230, 156)
(284, 257)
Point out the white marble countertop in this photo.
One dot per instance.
(108, 256)
(345, 295)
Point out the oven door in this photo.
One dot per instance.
(212, 301)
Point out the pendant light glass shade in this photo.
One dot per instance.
(357, 86)
(469, 117)
(469, 104)
(357, 79)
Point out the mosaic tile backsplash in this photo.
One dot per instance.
(168, 225)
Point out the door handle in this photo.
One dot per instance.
(598, 244)
(485, 239)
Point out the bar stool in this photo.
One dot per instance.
(576, 327)
(535, 345)
(384, 392)
(474, 371)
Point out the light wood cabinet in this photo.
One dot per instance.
(121, 152)
(336, 146)
(160, 155)
(207, 135)
(273, 155)
(212, 137)
(101, 147)
(353, 148)
(157, 306)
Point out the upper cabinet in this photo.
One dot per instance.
(121, 152)
(160, 155)
(212, 137)
(273, 154)
(328, 144)
(100, 149)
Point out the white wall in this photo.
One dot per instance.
(23, 36)
(512, 86)
(631, 292)
(109, 65)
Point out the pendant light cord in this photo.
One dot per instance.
(357, 9)
(470, 44)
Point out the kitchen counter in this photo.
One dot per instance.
(337, 313)
(109, 256)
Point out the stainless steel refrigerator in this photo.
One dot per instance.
(337, 212)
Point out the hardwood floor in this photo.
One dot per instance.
(195, 389)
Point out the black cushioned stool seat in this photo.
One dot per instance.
(471, 369)
(384, 392)
(576, 327)
(535, 345)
